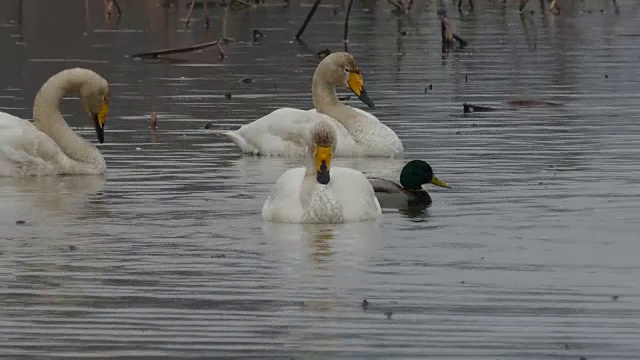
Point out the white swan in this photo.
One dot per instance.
(358, 132)
(49, 146)
(318, 193)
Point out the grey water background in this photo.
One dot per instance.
(533, 254)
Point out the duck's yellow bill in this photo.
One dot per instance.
(323, 164)
(437, 182)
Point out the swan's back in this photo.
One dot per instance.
(283, 132)
(25, 150)
(355, 194)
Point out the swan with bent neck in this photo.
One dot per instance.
(319, 193)
(49, 146)
(359, 133)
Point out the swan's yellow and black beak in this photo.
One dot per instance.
(323, 164)
(356, 84)
(98, 120)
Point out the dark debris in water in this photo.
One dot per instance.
(72, 247)
(343, 98)
(208, 125)
(227, 96)
(323, 53)
(469, 108)
(388, 314)
(20, 222)
(615, 297)
(246, 80)
(365, 304)
(257, 34)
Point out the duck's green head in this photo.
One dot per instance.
(417, 173)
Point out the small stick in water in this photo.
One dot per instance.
(154, 122)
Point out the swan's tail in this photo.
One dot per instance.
(237, 139)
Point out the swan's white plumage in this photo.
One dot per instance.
(25, 150)
(347, 198)
(358, 132)
(298, 197)
(282, 133)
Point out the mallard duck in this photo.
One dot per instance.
(359, 133)
(410, 192)
(49, 146)
(319, 193)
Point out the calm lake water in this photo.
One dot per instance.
(533, 254)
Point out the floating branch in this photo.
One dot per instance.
(308, 18)
(158, 53)
(532, 103)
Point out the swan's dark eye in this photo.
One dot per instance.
(346, 70)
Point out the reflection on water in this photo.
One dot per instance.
(532, 254)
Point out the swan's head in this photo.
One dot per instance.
(417, 173)
(94, 95)
(323, 137)
(344, 70)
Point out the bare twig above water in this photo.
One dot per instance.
(164, 52)
(110, 5)
(308, 18)
(460, 5)
(190, 14)
(345, 37)
(449, 37)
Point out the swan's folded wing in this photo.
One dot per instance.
(25, 150)
(283, 203)
(284, 132)
(355, 193)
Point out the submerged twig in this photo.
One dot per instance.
(308, 18)
(157, 53)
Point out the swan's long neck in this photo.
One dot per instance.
(47, 117)
(326, 101)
